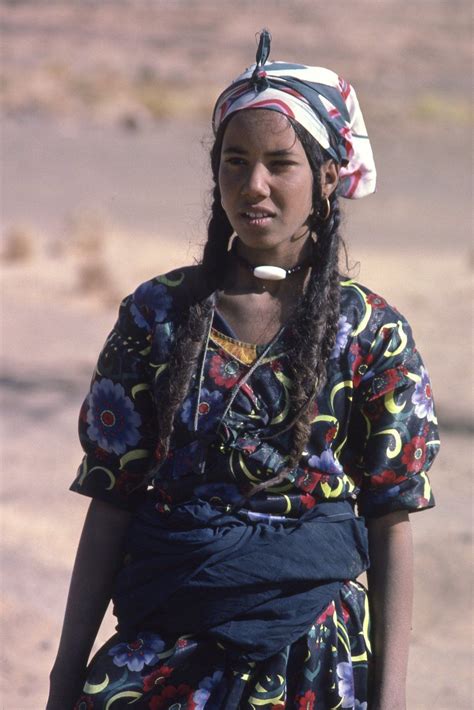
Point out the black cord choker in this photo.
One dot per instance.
(267, 272)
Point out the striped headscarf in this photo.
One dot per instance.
(321, 101)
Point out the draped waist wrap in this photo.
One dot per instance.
(253, 586)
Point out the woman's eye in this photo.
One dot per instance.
(235, 161)
(282, 164)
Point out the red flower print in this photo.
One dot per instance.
(387, 381)
(361, 364)
(330, 434)
(156, 678)
(181, 643)
(376, 301)
(345, 613)
(306, 701)
(328, 612)
(414, 454)
(307, 501)
(386, 478)
(225, 373)
(308, 480)
(392, 378)
(172, 694)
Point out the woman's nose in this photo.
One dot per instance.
(256, 185)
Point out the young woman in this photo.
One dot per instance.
(243, 414)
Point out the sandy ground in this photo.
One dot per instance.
(98, 195)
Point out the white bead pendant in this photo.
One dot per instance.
(270, 273)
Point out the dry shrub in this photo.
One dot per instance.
(19, 245)
(93, 279)
(86, 239)
(86, 234)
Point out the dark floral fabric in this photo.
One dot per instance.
(327, 668)
(374, 432)
(374, 437)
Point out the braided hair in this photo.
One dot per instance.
(315, 319)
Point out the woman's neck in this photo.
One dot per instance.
(241, 278)
(285, 255)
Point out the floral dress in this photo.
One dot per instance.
(373, 439)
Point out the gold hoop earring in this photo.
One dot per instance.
(325, 217)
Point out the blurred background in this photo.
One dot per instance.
(105, 134)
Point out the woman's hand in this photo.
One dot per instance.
(98, 559)
(391, 598)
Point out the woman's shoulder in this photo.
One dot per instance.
(361, 304)
(172, 282)
(369, 322)
(161, 298)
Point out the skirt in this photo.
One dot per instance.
(327, 668)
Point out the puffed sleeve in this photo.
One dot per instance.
(397, 422)
(117, 426)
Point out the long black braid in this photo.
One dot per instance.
(195, 323)
(315, 320)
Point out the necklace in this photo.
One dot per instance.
(268, 272)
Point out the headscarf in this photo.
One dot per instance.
(321, 101)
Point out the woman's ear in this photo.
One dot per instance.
(329, 177)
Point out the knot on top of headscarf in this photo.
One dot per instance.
(259, 79)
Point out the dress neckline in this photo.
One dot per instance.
(224, 328)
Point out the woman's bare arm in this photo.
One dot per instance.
(391, 597)
(97, 561)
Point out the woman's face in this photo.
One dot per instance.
(265, 179)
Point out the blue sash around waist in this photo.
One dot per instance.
(253, 586)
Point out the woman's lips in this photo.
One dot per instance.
(258, 218)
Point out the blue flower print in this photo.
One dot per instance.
(205, 689)
(143, 651)
(345, 684)
(422, 398)
(154, 297)
(208, 409)
(112, 418)
(343, 330)
(325, 463)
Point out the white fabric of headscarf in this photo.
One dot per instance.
(322, 102)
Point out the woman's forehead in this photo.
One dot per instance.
(262, 128)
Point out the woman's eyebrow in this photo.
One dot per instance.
(270, 153)
(281, 152)
(234, 149)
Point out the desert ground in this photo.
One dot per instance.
(105, 182)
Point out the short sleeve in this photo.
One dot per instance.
(117, 422)
(397, 423)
